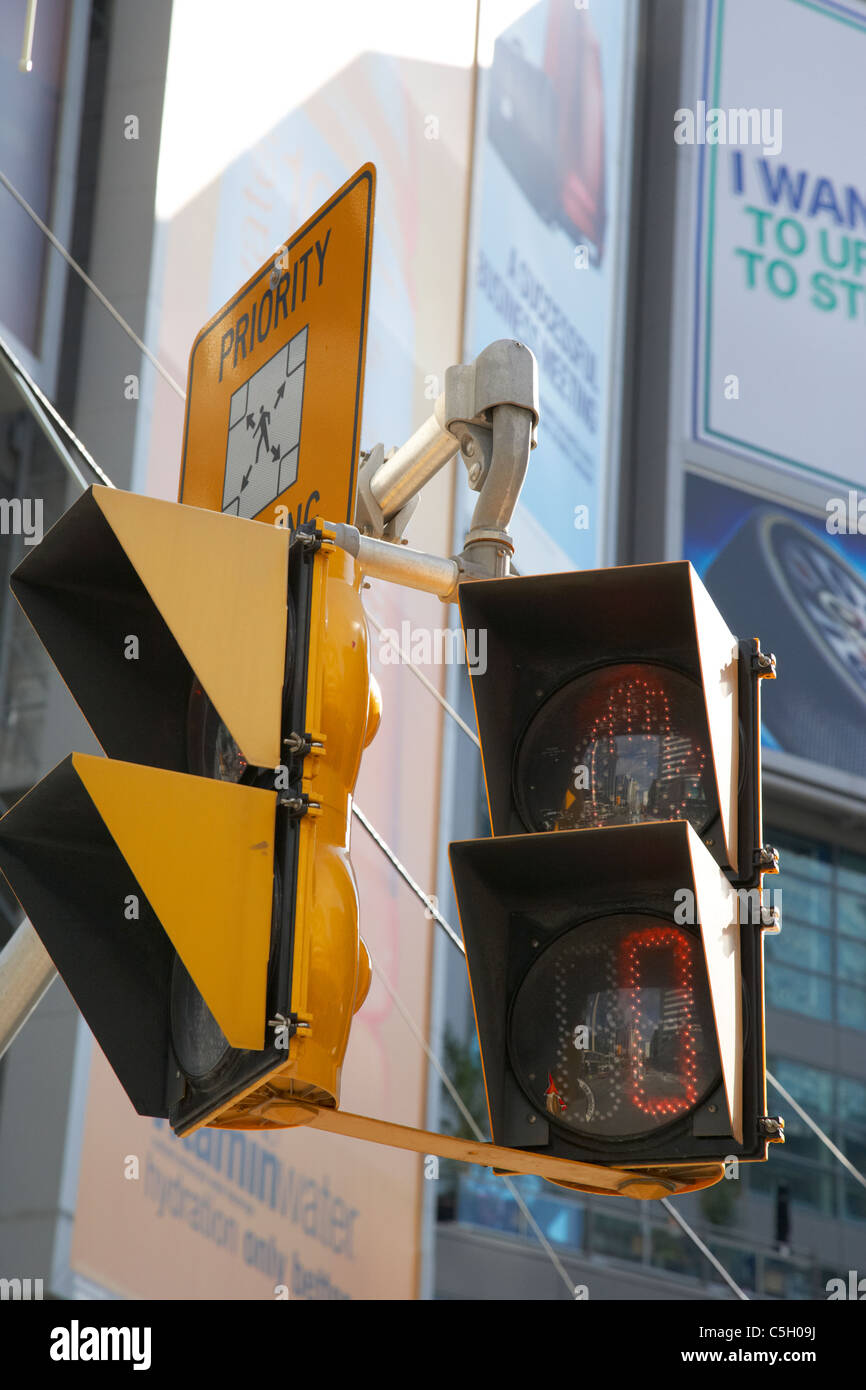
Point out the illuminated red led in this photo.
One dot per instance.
(656, 715)
(631, 953)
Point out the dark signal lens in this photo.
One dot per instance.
(200, 1045)
(617, 746)
(611, 1031)
(211, 750)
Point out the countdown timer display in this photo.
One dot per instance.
(611, 1030)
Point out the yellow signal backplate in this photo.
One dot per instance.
(202, 852)
(220, 583)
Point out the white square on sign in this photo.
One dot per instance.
(265, 431)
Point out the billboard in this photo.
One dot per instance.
(780, 253)
(547, 251)
(800, 586)
(243, 1216)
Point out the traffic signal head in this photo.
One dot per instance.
(194, 888)
(616, 977)
(618, 999)
(616, 697)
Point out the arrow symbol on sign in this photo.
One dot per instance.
(245, 479)
(275, 453)
(280, 395)
(251, 424)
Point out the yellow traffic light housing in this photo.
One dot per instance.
(194, 888)
(330, 966)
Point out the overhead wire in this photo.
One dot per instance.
(94, 289)
(816, 1129)
(51, 420)
(425, 681)
(476, 1130)
(430, 907)
(704, 1249)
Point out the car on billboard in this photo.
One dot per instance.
(547, 123)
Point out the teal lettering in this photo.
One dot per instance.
(823, 296)
(782, 279)
(824, 248)
(751, 257)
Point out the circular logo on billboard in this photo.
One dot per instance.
(829, 595)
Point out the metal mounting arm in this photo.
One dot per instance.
(463, 419)
(434, 574)
(414, 569)
(488, 412)
(488, 544)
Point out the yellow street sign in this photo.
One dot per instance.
(276, 378)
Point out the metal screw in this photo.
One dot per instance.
(532, 1119)
(768, 858)
(534, 944)
(709, 842)
(712, 1109)
(772, 1125)
(468, 447)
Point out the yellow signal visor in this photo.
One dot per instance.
(118, 866)
(564, 657)
(134, 597)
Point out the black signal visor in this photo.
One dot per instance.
(614, 697)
